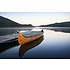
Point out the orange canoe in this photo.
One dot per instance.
(26, 37)
(25, 47)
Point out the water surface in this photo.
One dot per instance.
(55, 43)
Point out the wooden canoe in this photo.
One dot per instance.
(25, 47)
(26, 37)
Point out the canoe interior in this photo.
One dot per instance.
(31, 33)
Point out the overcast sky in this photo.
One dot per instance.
(37, 18)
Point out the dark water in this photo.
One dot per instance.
(55, 43)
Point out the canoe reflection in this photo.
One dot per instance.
(25, 47)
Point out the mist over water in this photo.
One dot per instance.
(56, 44)
(6, 31)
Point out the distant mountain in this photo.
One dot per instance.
(5, 22)
(62, 24)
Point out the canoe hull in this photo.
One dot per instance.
(23, 40)
(25, 47)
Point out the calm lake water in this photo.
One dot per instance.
(55, 43)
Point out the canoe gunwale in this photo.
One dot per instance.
(31, 36)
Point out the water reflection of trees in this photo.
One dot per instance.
(6, 46)
(59, 29)
(26, 47)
